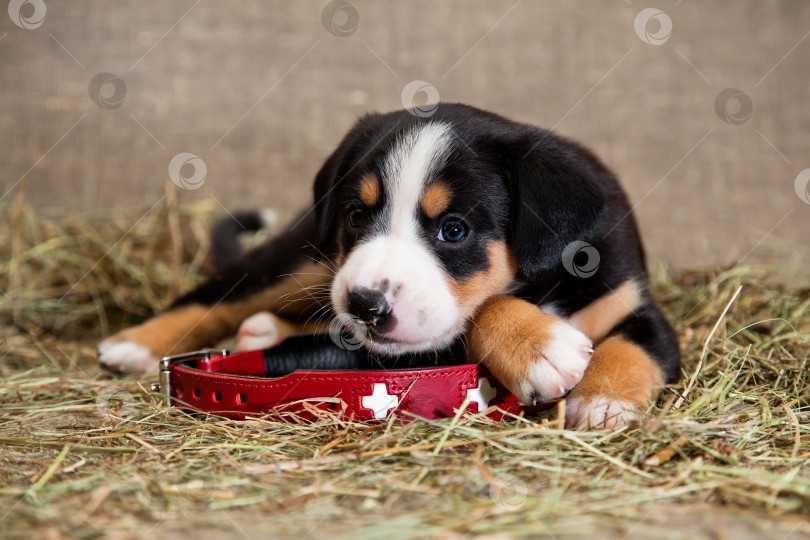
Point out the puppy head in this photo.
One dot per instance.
(422, 220)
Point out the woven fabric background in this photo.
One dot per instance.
(262, 91)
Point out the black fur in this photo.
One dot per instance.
(225, 236)
(258, 268)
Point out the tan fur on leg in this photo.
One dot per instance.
(536, 355)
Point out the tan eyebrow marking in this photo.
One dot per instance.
(369, 189)
(436, 199)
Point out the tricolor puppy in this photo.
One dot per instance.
(460, 226)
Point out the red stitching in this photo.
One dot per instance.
(218, 378)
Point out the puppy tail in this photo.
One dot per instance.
(225, 234)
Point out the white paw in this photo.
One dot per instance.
(599, 412)
(126, 358)
(561, 367)
(258, 331)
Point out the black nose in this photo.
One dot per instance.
(371, 308)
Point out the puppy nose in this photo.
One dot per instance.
(369, 306)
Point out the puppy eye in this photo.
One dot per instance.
(355, 217)
(452, 230)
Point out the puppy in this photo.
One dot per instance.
(460, 226)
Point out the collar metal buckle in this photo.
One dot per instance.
(167, 363)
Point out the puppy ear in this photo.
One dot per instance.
(555, 199)
(346, 159)
(325, 192)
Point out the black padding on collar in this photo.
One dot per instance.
(318, 352)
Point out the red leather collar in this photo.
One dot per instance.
(236, 386)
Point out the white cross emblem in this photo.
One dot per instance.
(380, 401)
(483, 394)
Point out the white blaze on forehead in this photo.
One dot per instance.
(407, 169)
(426, 312)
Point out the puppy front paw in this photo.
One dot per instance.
(599, 412)
(537, 356)
(554, 366)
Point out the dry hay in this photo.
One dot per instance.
(86, 455)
